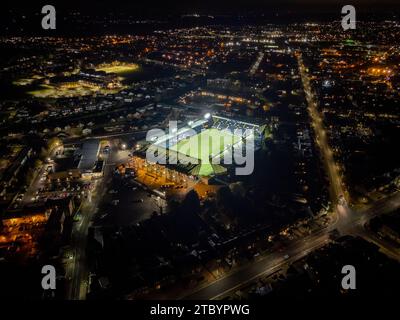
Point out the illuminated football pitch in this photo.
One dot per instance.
(119, 68)
(210, 142)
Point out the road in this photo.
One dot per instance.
(346, 220)
(347, 224)
(37, 181)
(336, 183)
(77, 269)
(256, 64)
(123, 135)
(265, 265)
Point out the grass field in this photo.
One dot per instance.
(50, 91)
(119, 69)
(208, 142)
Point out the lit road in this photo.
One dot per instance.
(37, 182)
(346, 220)
(266, 265)
(256, 64)
(336, 184)
(77, 269)
(347, 224)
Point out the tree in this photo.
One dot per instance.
(1, 220)
(237, 189)
(224, 198)
(53, 143)
(38, 163)
(191, 203)
(29, 176)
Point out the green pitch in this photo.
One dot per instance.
(210, 142)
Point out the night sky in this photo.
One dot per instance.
(19, 17)
(201, 6)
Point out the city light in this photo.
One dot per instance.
(199, 157)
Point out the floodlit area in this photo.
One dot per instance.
(210, 142)
(82, 82)
(50, 91)
(202, 148)
(118, 68)
(216, 153)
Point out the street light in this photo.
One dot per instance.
(159, 204)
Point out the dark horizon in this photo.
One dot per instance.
(234, 152)
(20, 18)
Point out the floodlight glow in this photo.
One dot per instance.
(207, 116)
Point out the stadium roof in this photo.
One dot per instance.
(194, 163)
(89, 153)
(207, 169)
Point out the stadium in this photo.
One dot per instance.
(201, 147)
